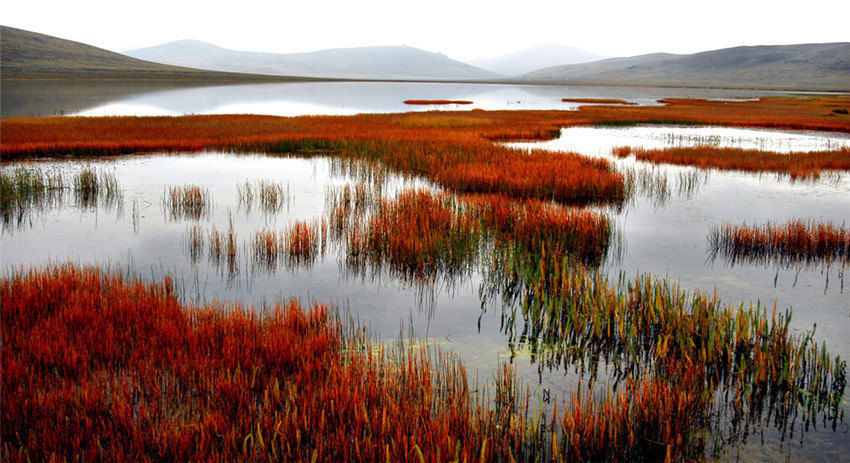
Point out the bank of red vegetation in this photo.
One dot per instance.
(97, 367)
(436, 102)
(598, 101)
(454, 148)
(538, 226)
(419, 234)
(794, 241)
(795, 165)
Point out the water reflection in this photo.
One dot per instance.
(36, 98)
(602, 140)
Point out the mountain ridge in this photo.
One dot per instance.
(814, 66)
(374, 62)
(28, 55)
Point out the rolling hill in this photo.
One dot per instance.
(379, 62)
(28, 55)
(534, 58)
(815, 66)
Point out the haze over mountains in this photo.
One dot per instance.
(813, 66)
(381, 62)
(534, 58)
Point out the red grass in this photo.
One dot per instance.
(452, 148)
(795, 241)
(189, 201)
(622, 151)
(417, 234)
(304, 241)
(299, 245)
(562, 177)
(535, 225)
(96, 367)
(436, 102)
(605, 429)
(796, 165)
(597, 101)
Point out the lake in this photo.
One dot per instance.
(46, 98)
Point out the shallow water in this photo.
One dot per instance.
(601, 140)
(666, 232)
(33, 98)
(662, 233)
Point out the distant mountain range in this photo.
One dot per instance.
(25, 54)
(383, 62)
(823, 66)
(534, 58)
(813, 66)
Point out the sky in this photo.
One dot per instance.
(459, 29)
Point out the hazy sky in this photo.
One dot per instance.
(460, 29)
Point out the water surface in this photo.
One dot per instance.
(34, 98)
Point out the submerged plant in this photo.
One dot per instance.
(567, 314)
(195, 242)
(271, 196)
(189, 201)
(23, 190)
(93, 187)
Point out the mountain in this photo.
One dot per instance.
(534, 58)
(381, 62)
(812, 66)
(25, 54)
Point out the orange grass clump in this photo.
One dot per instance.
(676, 415)
(436, 102)
(195, 241)
(598, 101)
(622, 151)
(563, 177)
(304, 241)
(417, 234)
(420, 233)
(266, 248)
(188, 201)
(538, 226)
(796, 165)
(796, 241)
(222, 247)
(98, 367)
(300, 244)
